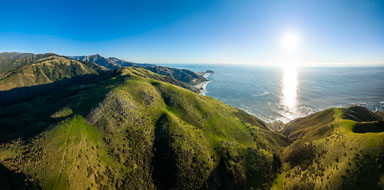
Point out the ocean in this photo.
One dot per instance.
(273, 93)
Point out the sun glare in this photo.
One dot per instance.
(289, 92)
(290, 42)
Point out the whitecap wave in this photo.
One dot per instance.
(262, 94)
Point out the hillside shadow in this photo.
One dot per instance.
(368, 176)
(369, 127)
(359, 114)
(163, 161)
(220, 178)
(10, 180)
(26, 93)
(168, 173)
(27, 118)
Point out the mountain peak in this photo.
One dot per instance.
(96, 55)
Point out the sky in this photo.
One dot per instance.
(326, 32)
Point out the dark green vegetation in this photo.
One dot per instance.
(134, 131)
(131, 128)
(182, 75)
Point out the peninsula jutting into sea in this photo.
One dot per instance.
(184, 95)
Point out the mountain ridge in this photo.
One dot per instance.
(183, 75)
(131, 128)
(337, 143)
(24, 75)
(40, 74)
(147, 119)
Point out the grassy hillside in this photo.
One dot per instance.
(334, 149)
(134, 131)
(182, 75)
(131, 128)
(13, 60)
(47, 69)
(35, 74)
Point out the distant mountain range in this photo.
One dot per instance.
(84, 124)
(111, 62)
(45, 72)
(183, 75)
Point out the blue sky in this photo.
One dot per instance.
(331, 32)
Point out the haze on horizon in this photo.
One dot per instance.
(330, 32)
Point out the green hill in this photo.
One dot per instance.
(334, 149)
(13, 60)
(27, 75)
(183, 75)
(80, 126)
(47, 69)
(134, 131)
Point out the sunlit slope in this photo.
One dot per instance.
(334, 149)
(13, 60)
(36, 74)
(183, 75)
(134, 132)
(47, 69)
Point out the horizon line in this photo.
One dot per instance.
(268, 63)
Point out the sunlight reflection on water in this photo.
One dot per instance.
(289, 92)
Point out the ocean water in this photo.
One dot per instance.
(273, 93)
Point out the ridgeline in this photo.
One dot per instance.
(128, 127)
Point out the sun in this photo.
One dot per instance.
(290, 42)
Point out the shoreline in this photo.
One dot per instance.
(202, 87)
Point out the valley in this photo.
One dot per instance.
(133, 127)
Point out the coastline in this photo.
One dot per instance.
(203, 85)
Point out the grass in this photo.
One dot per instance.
(341, 157)
(62, 113)
(134, 130)
(49, 69)
(107, 134)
